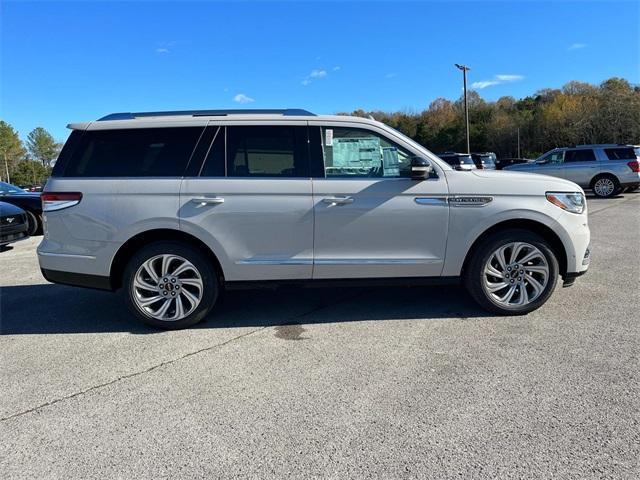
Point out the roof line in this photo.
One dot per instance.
(287, 112)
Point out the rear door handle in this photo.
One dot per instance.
(202, 201)
(338, 200)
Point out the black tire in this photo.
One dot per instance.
(34, 221)
(210, 284)
(473, 276)
(604, 178)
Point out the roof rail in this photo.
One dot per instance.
(287, 112)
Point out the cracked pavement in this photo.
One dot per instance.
(333, 383)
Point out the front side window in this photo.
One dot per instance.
(355, 152)
(135, 152)
(553, 157)
(269, 151)
(583, 155)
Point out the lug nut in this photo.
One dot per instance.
(177, 287)
(173, 280)
(173, 294)
(506, 275)
(512, 280)
(165, 292)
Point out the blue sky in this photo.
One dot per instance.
(73, 61)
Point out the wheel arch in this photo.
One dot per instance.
(603, 174)
(524, 224)
(142, 239)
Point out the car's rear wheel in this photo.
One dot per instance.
(605, 186)
(170, 285)
(34, 223)
(512, 272)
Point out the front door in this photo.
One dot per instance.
(371, 219)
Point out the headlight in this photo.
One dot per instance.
(571, 202)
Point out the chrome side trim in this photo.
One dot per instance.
(376, 261)
(431, 200)
(469, 201)
(66, 255)
(266, 261)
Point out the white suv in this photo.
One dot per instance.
(172, 207)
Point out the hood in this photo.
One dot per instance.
(501, 182)
(8, 209)
(524, 179)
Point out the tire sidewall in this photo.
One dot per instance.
(475, 277)
(203, 265)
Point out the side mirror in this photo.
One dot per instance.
(420, 168)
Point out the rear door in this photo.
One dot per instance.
(371, 219)
(251, 202)
(580, 166)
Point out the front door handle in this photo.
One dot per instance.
(338, 200)
(202, 201)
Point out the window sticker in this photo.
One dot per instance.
(329, 137)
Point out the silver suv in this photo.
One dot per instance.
(173, 207)
(607, 169)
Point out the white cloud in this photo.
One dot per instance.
(576, 46)
(484, 84)
(510, 78)
(242, 98)
(162, 50)
(305, 82)
(497, 80)
(318, 73)
(336, 68)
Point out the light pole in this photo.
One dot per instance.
(465, 69)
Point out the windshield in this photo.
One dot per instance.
(465, 160)
(487, 159)
(6, 188)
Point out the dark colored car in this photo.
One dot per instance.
(13, 224)
(459, 161)
(484, 160)
(29, 202)
(505, 162)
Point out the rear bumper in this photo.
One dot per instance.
(77, 279)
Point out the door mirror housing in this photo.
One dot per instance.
(421, 169)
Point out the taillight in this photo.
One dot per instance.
(52, 201)
(634, 166)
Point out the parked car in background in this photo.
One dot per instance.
(13, 224)
(174, 207)
(606, 169)
(29, 202)
(459, 161)
(484, 160)
(505, 162)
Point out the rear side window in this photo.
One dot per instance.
(620, 153)
(136, 152)
(269, 151)
(584, 155)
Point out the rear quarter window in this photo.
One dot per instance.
(627, 153)
(136, 152)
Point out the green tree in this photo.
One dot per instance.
(11, 149)
(42, 146)
(30, 172)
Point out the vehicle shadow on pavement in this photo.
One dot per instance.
(58, 309)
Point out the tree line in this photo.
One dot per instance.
(28, 164)
(577, 113)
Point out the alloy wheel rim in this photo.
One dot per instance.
(167, 287)
(515, 274)
(604, 187)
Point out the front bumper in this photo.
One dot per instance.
(13, 235)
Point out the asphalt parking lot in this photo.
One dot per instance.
(332, 383)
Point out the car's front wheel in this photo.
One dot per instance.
(512, 272)
(170, 285)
